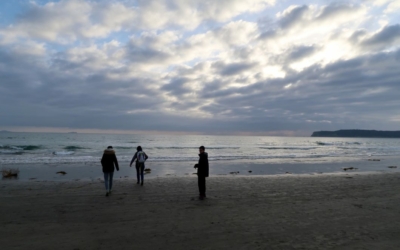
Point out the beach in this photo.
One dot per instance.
(322, 211)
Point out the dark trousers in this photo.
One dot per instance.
(139, 171)
(202, 184)
(108, 179)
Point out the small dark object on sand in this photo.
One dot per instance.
(392, 167)
(10, 172)
(234, 172)
(61, 172)
(250, 171)
(350, 168)
(288, 173)
(374, 159)
(147, 170)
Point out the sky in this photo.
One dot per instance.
(255, 67)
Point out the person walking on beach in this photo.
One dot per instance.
(108, 161)
(202, 172)
(140, 157)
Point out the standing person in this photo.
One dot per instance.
(202, 172)
(108, 161)
(140, 157)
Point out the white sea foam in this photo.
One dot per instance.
(64, 153)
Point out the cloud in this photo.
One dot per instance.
(387, 37)
(310, 16)
(232, 68)
(71, 20)
(188, 66)
(300, 52)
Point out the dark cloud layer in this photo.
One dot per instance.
(385, 38)
(275, 77)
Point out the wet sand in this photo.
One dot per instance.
(335, 211)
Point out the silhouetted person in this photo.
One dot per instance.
(202, 172)
(140, 157)
(108, 161)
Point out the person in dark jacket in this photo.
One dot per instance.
(108, 161)
(140, 157)
(202, 172)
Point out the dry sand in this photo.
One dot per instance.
(278, 212)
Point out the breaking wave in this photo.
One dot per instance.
(64, 153)
(336, 143)
(73, 148)
(8, 149)
(215, 147)
(30, 147)
(288, 148)
(120, 147)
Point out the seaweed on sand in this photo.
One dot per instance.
(10, 172)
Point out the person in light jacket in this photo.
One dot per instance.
(140, 157)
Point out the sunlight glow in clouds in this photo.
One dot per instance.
(201, 66)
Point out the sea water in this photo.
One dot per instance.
(82, 148)
(173, 151)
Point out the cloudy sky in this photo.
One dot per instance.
(200, 66)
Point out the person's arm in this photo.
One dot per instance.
(133, 159)
(102, 160)
(145, 157)
(116, 162)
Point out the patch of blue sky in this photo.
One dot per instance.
(40, 2)
(268, 12)
(393, 17)
(378, 17)
(9, 10)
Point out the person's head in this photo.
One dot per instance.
(139, 148)
(109, 147)
(202, 149)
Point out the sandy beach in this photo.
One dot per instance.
(327, 211)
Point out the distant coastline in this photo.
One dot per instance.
(357, 133)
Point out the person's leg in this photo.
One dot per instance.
(137, 172)
(111, 181)
(106, 182)
(142, 172)
(202, 186)
(199, 183)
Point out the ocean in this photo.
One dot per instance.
(174, 151)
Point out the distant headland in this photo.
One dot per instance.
(357, 133)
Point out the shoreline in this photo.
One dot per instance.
(87, 172)
(328, 211)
